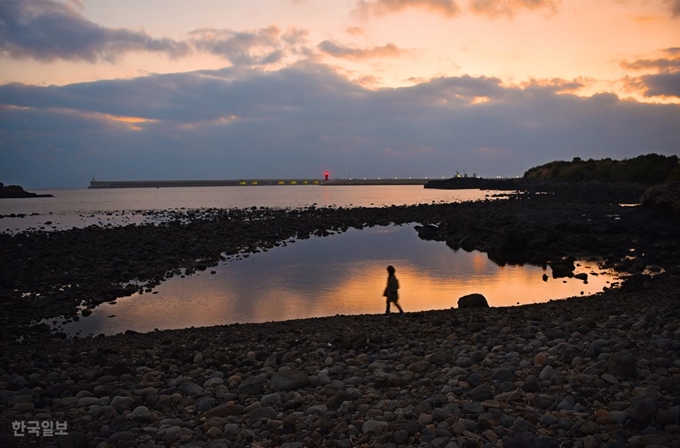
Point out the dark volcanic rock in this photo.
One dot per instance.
(472, 301)
(15, 191)
(665, 196)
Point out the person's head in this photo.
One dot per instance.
(390, 270)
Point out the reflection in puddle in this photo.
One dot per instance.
(341, 274)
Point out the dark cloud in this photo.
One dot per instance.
(448, 8)
(662, 84)
(665, 83)
(342, 51)
(47, 30)
(306, 118)
(662, 64)
(250, 48)
(508, 8)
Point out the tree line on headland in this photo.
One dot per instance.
(645, 169)
(637, 173)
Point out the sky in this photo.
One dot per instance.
(219, 89)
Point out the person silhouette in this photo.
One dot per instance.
(391, 292)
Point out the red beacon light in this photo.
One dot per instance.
(326, 174)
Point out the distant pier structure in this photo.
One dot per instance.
(248, 182)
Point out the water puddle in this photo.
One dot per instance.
(341, 274)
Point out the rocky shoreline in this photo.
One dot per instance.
(15, 191)
(601, 371)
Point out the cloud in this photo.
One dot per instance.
(675, 7)
(664, 83)
(250, 48)
(662, 64)
(509, 8)
(47, 30)
(354, 30)
(306, 118)
(341, 51)
(448, 8)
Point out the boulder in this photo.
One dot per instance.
(473, 301)
(428, 232)
(287, 380)
(664, 196)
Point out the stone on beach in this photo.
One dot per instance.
(472, 301)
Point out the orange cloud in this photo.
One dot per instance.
(341, 51)
(448, 8)
(508, 8)
(660, 64)
(354, 30)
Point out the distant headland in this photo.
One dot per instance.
(15, 191)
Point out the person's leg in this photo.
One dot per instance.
(387, 311)
(400, 310)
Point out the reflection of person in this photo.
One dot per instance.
(391, 290)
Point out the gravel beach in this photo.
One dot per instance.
(599, 371)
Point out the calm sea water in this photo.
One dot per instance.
(341, 274)
(82, 207)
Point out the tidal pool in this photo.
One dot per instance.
(340, 274)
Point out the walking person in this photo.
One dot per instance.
(391, 292)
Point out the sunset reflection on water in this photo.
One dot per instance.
(340, 274)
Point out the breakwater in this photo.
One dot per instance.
(248, 182)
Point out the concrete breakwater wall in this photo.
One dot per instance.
(248, 182)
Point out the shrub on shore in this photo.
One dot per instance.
(645, 169)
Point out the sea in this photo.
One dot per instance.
(344, 273)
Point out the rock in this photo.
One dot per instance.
(664, 196)
(214, 432)
(440, 357)
(400, 437)
(428, 232)
(581, 276)
(546, 373)
(482, 392)
(622, 364)
(419, 366)
(316, 410)
(373, 426)
(122, 402)
(472, 301)
(190, 388)
(503, 375)
(271, 398)
(288, 380)
(140, 411)
(643, 409)
(264, 413)
(567, 403)
(251, 387)
(223, 410)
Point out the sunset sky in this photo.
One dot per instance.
(207, 89)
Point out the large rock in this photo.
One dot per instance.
(510, 239)
(288, 380)
(473, 301)
(664, 196)
(428, 232)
